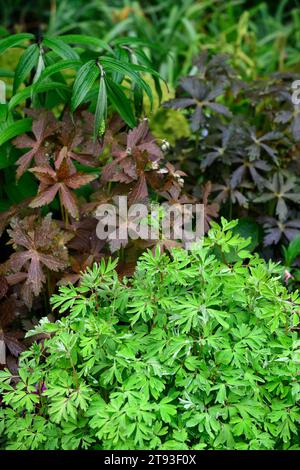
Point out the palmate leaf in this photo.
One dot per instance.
(61, 181)
(282, 188)
(27, 62)
(83, 83)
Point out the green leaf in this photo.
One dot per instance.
(26, 63)
(120, 102)
(166, 410)
(85, 40)
(101, 108)
(221, 396)
(5, 375)
(295, 319)
(38, 88)
(292, 251)
(8, 155)
(130, 70)
(17, 128)
(248, 228)
(40, 67)
(146, 61)
(3, 112)
(83, 83)
(58, 67)
(14, 40)
(60, 48)
(6, 73)
(134, 41)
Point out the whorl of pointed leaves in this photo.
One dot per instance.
(251, 156)
(96, 75)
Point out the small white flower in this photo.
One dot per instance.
(163, 171)
(165, 146)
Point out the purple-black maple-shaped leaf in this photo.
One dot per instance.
(257, 144)
(221, 146)
(218, 71)
(201, 96)
(228, 192)
(249, 166)
(276, 230)
(282, 188)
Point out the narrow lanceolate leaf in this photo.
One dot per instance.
(14, 40)
(60, 48)
(86, 41)
(42, 87)
(17, 128)
(130, 70)
(83, 83)
(40, 66)
(134, 41)
(144, 60)
(101, 108)
(6, 73)
(27, 62)
(58, 67)
(126, 68)
(120, 102)
(122, 56)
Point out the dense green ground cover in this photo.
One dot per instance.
(160, 101)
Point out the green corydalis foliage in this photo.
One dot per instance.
(192, 353)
